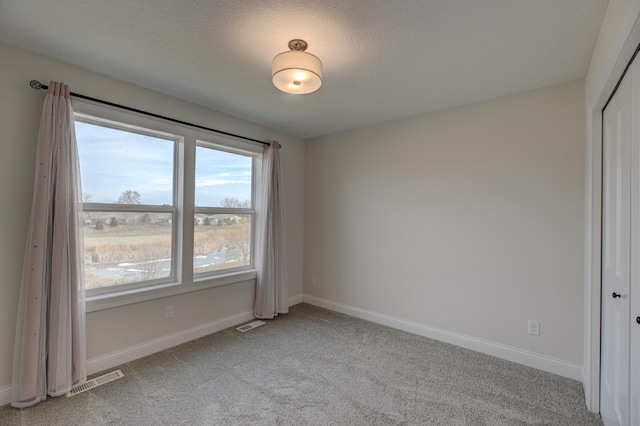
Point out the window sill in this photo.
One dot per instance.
(112, 300)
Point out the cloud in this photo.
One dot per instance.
(216, 182)
(115, 160)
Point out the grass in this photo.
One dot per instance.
(146, 244)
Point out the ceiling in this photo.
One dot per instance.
(382, 59)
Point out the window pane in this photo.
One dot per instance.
(119, 166)
(221, 241)
(126, 247)
(223, 179)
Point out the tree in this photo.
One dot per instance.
(129, 197)
(238, 242)
(86, 198)
(144, 219)
(149, 269)
(234, 203)
(113, 222)
(99, 225)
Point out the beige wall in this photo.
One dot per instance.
(468, 220)
(119, 328)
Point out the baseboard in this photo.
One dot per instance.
(141, 350)
(5, 396)
(294, 300)
(150, 347)
(530, 359)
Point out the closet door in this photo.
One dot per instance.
(616, 254)
(634, 295)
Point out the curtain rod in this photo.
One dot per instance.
(35, 84)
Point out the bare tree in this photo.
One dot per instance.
(86, 198)
(149, 269)
(129, 197)
(237, 239)
(234, 203)
(150, 262)
(237, 234)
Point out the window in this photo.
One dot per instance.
(224, 210)
(166, 209)
(129, 206)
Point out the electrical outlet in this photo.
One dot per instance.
(534, 327)
(168, 312)
(314, 280)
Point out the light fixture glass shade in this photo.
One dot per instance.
(296, 72)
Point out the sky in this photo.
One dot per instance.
(113, 161)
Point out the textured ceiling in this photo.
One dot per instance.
(382, 59)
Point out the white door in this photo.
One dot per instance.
(634, 294)
(616, 253)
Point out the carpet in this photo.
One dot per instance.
(318, 367)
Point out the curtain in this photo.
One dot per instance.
(272, 290)
(49, 352)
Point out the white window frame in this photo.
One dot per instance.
(139, 208)
(209, 210)
(187, 138)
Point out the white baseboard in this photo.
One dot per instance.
(105, 362)
(5, 396)
(114, 359)
(294, 300)
(132, 353)
(530, 359)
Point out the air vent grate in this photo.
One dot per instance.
(90, 384)
(250, 326)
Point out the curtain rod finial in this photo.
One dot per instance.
(35, 84)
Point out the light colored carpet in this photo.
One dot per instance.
(317, 367)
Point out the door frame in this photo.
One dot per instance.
(619, 37)
(618, 202)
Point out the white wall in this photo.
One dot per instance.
(460, 224)
(139, 326)
(619, 36)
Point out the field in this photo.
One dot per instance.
(136, 252)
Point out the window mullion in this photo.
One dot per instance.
(142, 208)
(186, 203)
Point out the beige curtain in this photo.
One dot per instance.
(272, 290)
(50, 337)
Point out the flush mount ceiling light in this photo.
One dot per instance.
(297, 71)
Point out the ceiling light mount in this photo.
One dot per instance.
(297, 44)
(297, 71)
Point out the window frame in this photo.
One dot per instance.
(139, 208)
(251, 210)
(184, 279)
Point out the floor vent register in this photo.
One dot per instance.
(250, 326)
(95, 382)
